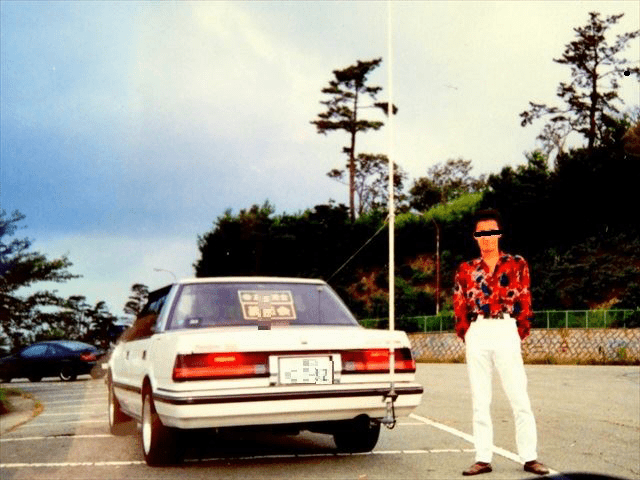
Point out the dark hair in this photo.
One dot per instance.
(489, 214)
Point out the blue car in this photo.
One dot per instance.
(56, 358)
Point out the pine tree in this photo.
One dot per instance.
(591, 99)
(346, 91)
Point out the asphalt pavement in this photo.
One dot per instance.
(588, 421)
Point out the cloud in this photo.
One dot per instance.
(110, 265)
(208, 70)
(129, 127)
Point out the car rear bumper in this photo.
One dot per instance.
(282, 405)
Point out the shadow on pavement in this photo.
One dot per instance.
(580, 476)
(230, 443)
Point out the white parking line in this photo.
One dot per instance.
(36, 425)
(63, 406)
(77, 396)
(54, 437)
(420, 421)
(67, 390)
(71, 464)
(74, 403)
(465, 436)
(69, 414)
(443, 427)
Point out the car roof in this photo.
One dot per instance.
(312, 281)
(72, 344)
(203, 280)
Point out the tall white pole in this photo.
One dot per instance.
(391, 203)
(392, 209)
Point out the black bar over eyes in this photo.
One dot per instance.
(487, 233)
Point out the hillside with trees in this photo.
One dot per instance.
(574, 220)
(575, 223)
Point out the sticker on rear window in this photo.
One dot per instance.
(267, 305)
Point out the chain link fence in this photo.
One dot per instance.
(543, 319)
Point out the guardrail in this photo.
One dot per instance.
(544, 319)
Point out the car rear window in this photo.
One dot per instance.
(35, 351)
(263, 304)
(75, 346)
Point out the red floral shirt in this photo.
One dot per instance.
(477, 291)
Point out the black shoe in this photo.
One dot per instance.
(536, 467)
(478, 468)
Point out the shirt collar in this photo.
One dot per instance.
(501, 258)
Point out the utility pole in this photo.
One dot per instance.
(437, 266)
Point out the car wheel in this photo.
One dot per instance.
(159, 445)
(358, 435)
(67, 374)
(35, 379)
(119, 422)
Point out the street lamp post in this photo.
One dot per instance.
(167, 271)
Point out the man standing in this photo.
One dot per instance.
(492, 304)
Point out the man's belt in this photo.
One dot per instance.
(498, 316)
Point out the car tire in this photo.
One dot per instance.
(358, 435)
(159, 445)
(67, 374)
(35, 379)
(119, 422)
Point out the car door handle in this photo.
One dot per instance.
(144, 354)
(127, 355)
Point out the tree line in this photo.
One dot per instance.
(575, 223)
(574, 220)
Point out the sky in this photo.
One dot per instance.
(128, 128)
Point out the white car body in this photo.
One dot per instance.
(247, 375)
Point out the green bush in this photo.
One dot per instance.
(629, 320)
(422, 277)
(4, 406)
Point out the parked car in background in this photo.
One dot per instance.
(256, 351)
(56, 358)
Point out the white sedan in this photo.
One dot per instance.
(256, 351)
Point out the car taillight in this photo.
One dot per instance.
(377, 361)
(210, 366)
(88, 357)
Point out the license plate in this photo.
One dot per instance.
(310, 370)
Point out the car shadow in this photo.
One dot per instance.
(203, 445)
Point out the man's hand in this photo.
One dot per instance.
(461, 330)
(523, 331)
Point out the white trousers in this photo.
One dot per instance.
(496, 342)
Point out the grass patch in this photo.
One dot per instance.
(4, 408)
(5, 402)
(435, 359)
(5, 393)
